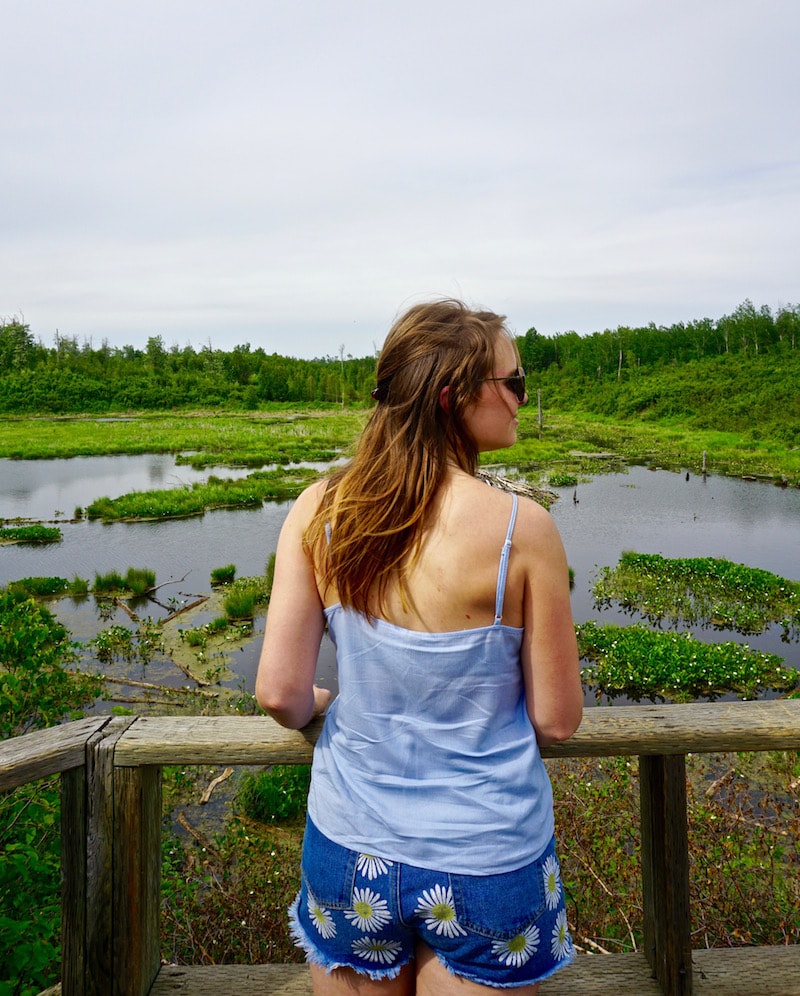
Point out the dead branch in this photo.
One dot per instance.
(185, 608)
(213, 784)
(168, 689)
(124, 605)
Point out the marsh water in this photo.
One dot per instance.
(650, 511)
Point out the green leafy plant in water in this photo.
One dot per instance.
(557, 480)
(716, 592)
(41, 587)
(120, 643)
(639, 663)
(30, 534)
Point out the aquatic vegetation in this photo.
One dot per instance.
(641, 663)
(108, 583)
(716, 592)
(223, 575)
(114, 642)
(244, 595)
(42, 587)
(140, 580)
(121, 643)
(240, 604)
(244, 492)
(30, 534)
(195, 637)
(562, 480)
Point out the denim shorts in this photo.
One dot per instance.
(366, 913)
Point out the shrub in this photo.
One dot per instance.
(35, 689)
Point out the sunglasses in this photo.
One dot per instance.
(515, 382)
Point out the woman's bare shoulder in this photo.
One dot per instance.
(305, 506)
(536, 527)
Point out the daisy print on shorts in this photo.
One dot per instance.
(370, 866)
(321, 918)
(369, 911)
(561, 943)
(552, 882)
(374, 949)
(439, 911)
(517, 950)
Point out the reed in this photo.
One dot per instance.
(223, 575)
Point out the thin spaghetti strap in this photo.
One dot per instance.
(328, 532)
(503, 569)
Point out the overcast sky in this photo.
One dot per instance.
(292, 174)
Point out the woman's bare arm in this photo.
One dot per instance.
(549, 651)
(285, 681)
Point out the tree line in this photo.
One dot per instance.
(73, 377)
(748, 331)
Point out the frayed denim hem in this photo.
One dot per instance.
(506, 985)
(315, 957)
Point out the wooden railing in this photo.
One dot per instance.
(111, 822)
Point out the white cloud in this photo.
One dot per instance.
(291, 174)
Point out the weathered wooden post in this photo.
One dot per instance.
(118, 920)
(665, 871)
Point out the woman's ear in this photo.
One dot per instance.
(444, 399)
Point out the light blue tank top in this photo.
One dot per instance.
(427, 755)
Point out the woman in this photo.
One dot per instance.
(428, 860)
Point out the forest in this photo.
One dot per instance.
(739, 372)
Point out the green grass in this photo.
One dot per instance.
(293, 433)
(283, 433)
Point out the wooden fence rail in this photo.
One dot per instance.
(111, 850)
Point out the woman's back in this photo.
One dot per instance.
(451, 582)
(429, 743)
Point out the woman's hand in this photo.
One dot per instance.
(322, 699)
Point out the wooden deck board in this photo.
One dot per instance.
(616, 730)
(768, 971)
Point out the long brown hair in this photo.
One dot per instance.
(375, 508)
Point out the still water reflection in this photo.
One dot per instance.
(644, 510)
